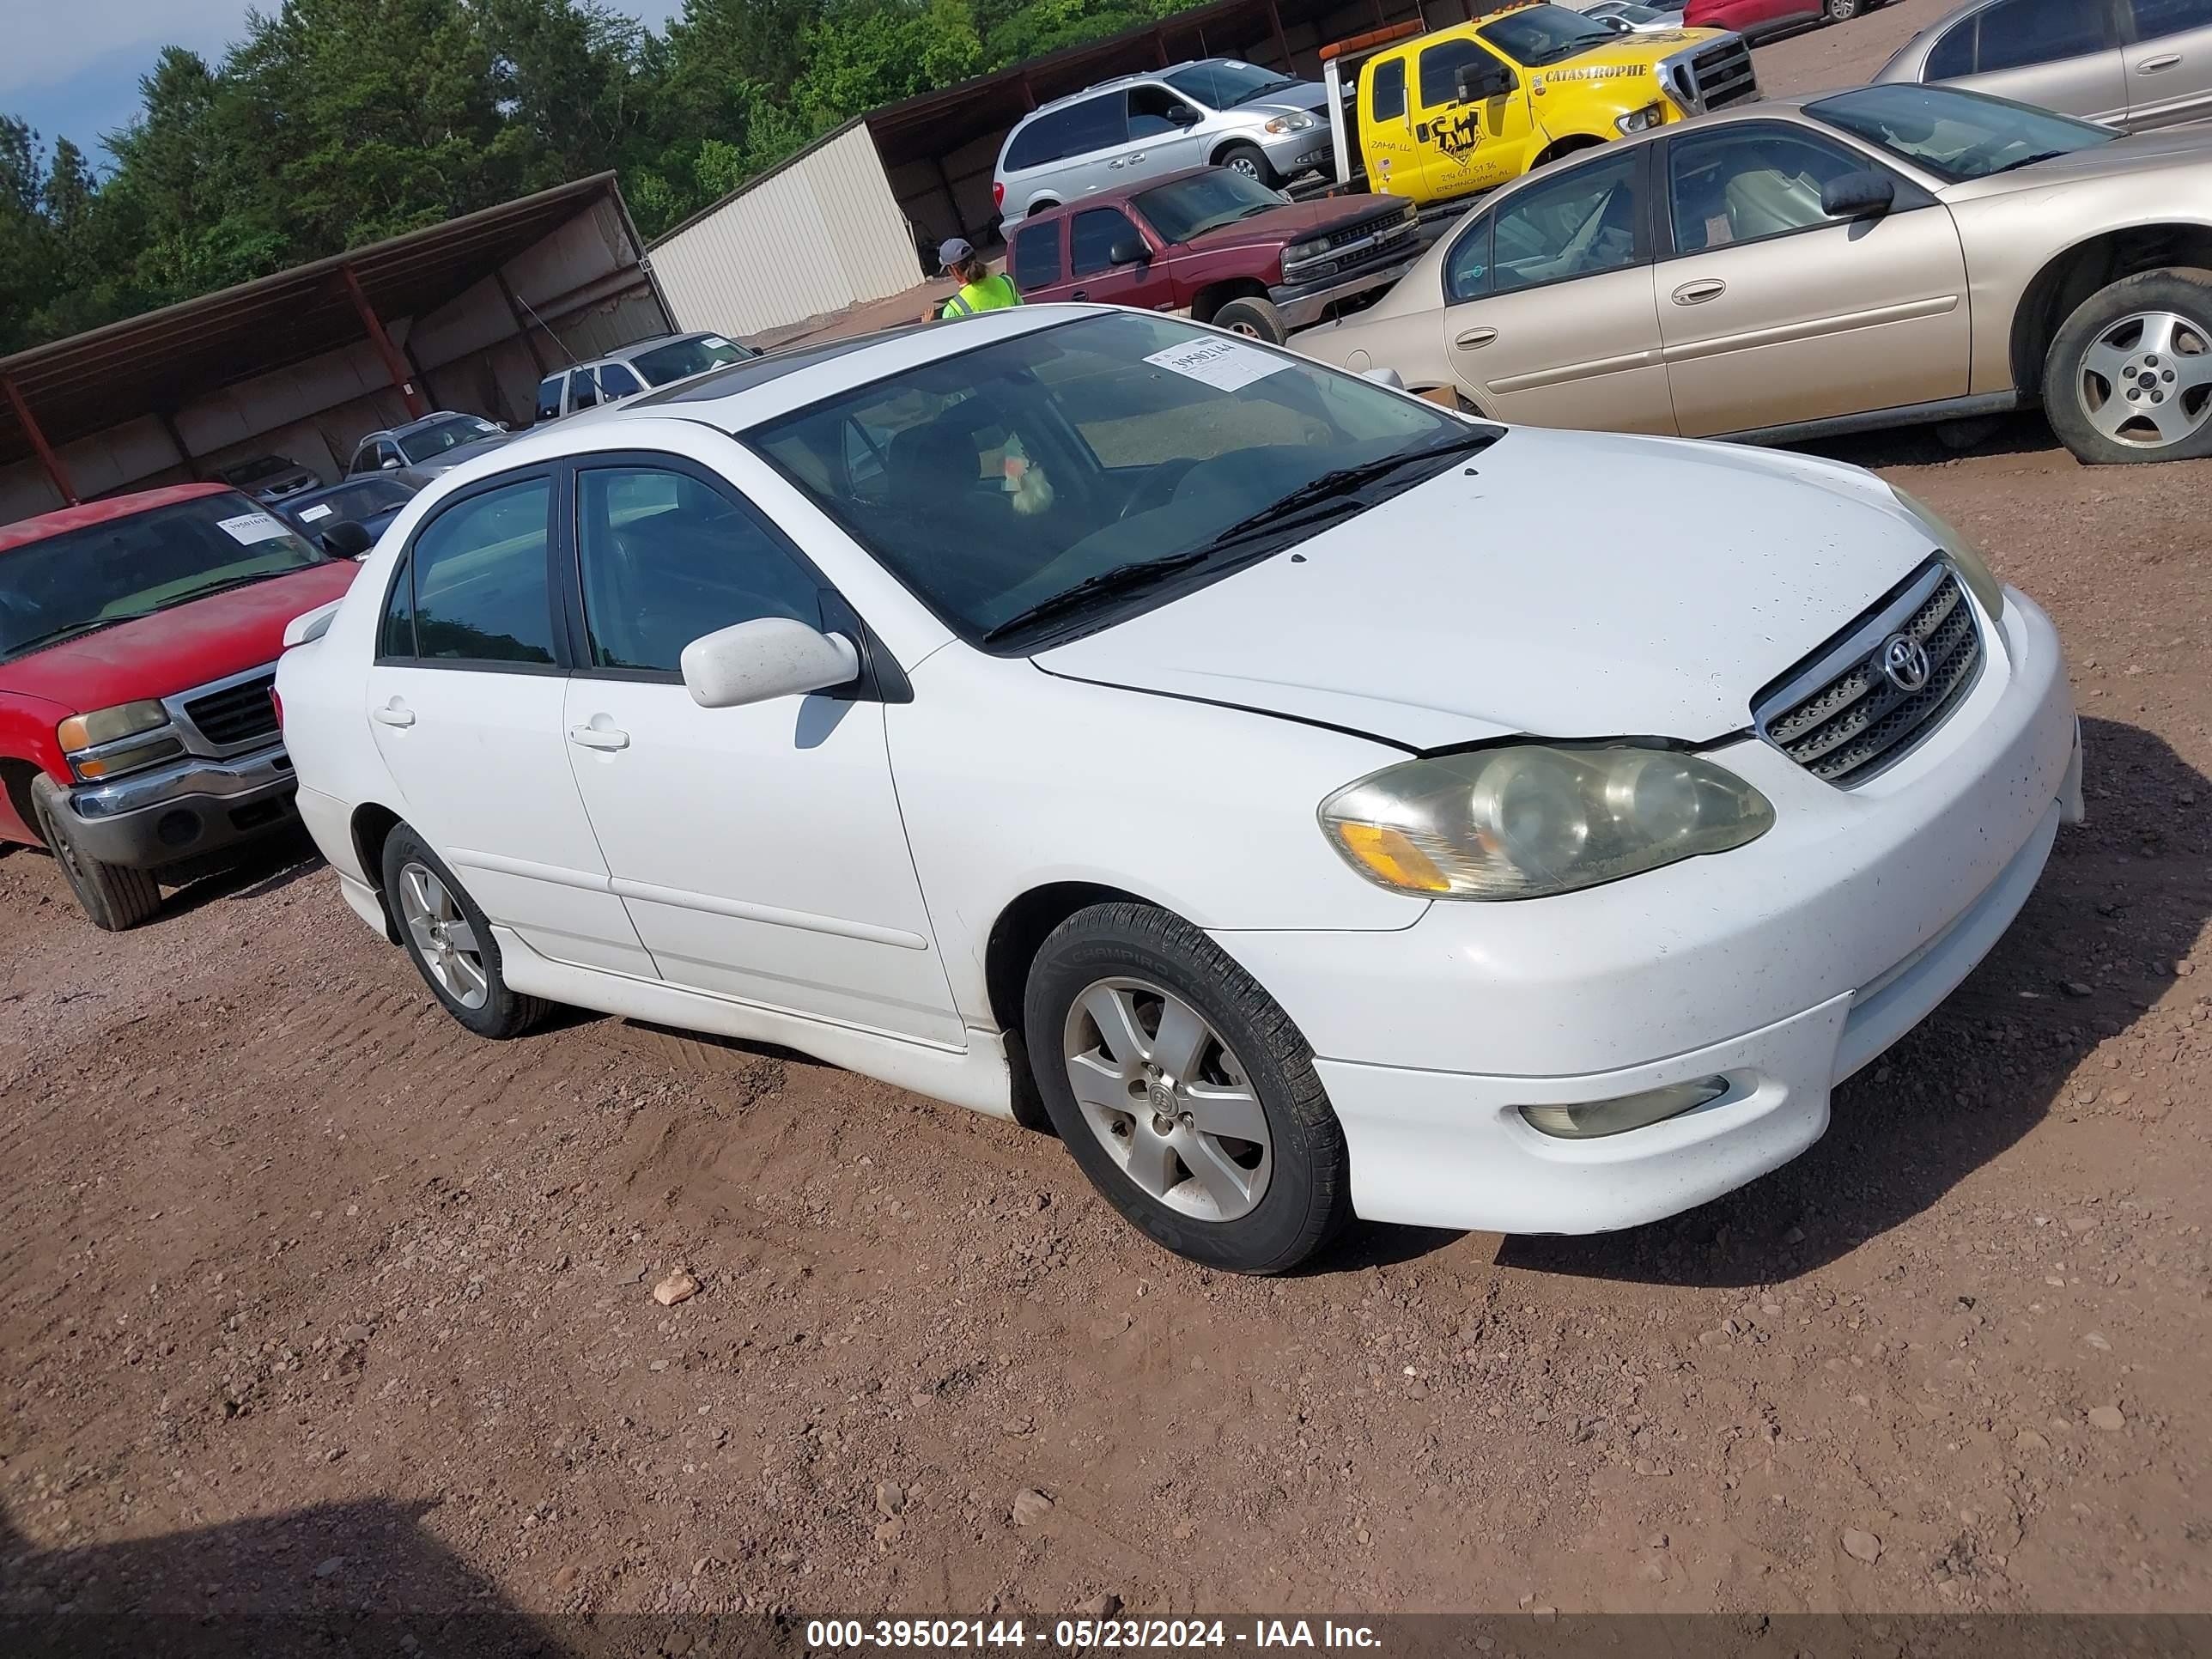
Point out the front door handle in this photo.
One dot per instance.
(1080, 293)
(1696, 294)
(599, 737)
(1475, 338)
(394, 713)
(2153, 65)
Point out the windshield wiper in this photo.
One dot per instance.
(1262, 92)
(1130, 578)
(55, 637)
(2040, 157)
(1344, 482)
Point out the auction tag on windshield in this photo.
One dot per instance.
(1227, 364)
(715, 341)
(319, 510)
(251, 528)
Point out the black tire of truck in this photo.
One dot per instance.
(115, 897)
(1255, 318)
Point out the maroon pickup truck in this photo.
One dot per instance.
(1221, 245)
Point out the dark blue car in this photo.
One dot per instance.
(371, 502)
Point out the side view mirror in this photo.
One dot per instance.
(392, 465)
(1476, 81)
(761, 661)
(1128, 250)
(1862, 195)
(1182, 115)
(347, 540)
(502, 426)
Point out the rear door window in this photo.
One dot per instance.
(549, 396)
(480, 594)
(2021, 34)
(1035, 262)
(1581, 224)
(1041, 141)
(1390, 89)
(1954, 55)
(583, 390)
(1096, 124)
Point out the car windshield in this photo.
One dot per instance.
(1545, 35)
(428, 442)
(83, 580)
(253, 471)
(1629, 14)
(1026, 476)
(681, 359)
(1225, 83)
(1957, 135)
(1191, 207)
(362, 499)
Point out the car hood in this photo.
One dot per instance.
(1299, 220)
(176, 649)
(1626, 51)
(2189, 146)
(1521, 599)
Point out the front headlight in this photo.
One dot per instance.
(1973, 570)
(1296, 120)
(80, 732)
(1531, 819)
(1641, 120)
(1297, 252)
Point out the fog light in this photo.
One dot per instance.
(1615, 1117)
(177, 828)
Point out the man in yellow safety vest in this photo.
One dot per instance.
(980, 289)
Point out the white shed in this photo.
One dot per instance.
(812, 235)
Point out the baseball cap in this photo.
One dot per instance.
(952, 253)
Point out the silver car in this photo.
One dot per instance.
(418, 452)
(641, 367)
(1217, 110)
(2132, 64)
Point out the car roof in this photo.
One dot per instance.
(1121, 81)
(419, 422)
(84, 515)
(1108, 197)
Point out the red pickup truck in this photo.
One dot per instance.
(1220, 245)
(138, 647)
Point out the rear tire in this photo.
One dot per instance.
(1842, 11)
(448, 939)
(1202, 1119)
(116, 897)
(2128, 375)
(1255, 318)
(1247, 160)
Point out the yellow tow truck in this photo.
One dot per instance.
(1447, 114)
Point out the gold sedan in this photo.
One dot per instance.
(1802, 267)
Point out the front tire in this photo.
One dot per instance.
(1184, 1093)
(1247, 160)
(1254, 318)
(450, 941)
(116, 897)
(1842, 11)
(2128, 375)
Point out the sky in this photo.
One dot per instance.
(72, 66)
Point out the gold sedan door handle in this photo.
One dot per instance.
(1696, 294)
(1475, 338)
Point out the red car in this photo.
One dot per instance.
(1220, 244)
(138, 647)
(1753, 19)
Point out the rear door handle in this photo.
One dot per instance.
(2153, 65)
(394, 713)
(1696, 294)
(1475, 338)
(1080, 293)
(597, 736)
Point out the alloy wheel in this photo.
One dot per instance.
(445, 938)
(1168, 1099)
(2145, 382)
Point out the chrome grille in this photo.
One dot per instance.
(1843, 718)
(239, 712)
(1723, 75)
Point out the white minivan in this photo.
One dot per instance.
(1321, 803)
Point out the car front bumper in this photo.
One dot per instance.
(1780, 967)
(1305, 303)
(181, 810)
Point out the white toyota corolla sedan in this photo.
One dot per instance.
(1326, 804)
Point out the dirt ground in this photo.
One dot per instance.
(310, 1301)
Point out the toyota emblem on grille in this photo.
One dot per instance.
(1904, 662)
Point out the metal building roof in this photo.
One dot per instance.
(163, 360)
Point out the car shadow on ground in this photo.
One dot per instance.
(366, 1577)
(2025, 433)
(2121, 900)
